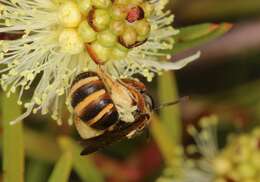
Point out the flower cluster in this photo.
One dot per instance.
(238, 161)
(58, 39)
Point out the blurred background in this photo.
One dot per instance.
(225, 81)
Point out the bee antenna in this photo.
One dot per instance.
(182, 99)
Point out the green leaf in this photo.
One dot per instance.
(218, 9)
(170, 115)
(196, 35)
(81, 164)
(62, 169)
(13, 141)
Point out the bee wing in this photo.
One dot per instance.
(120, 132)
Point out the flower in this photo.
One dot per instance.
(238, 161)
(58, 39)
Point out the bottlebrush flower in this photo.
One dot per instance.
(58, 39)
(238, 161)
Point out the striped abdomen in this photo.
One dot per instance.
(91, 101)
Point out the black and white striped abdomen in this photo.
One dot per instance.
(91, 101)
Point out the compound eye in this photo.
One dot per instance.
(149, 101)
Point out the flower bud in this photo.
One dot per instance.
(128, 38)
(107, 38)
(99, 19)
(222, 165)
(85, 6)
(101, 3)
(142, 27)
(246, 170)
(99, 54)
(117, 27)
(119, 12)
(134, 14)
(86, 32)
(136, 2)
(70, 42)
(69, 14)
(124, 2)
(118, 52)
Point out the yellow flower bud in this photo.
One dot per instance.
(118, 27)
(222, 165)
(119, 12)
(100, 54)
(69, 14)
(121, 1)
(101, 3)
(128, 38)
(136, 2)
(84, 6)
(246, 170)
(99, 19)
(70, 42)
(142, 27)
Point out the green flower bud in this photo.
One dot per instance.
(107, 38)
(99, 19)
(246, 170)
(255, 159)
(100, 54)
(136, 2)
(141, 38)
(121, 2)
(85, 6)
(117, 27)
(118, 12)
(128, 38)
(86, 32)
(101, 3)
(119, 52)
(142, 27)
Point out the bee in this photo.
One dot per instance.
(107, 109)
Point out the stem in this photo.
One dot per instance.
(13, 142)
(170, 151)
(82, 165)
(62, 168)
(170, 115)
(37, 171)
